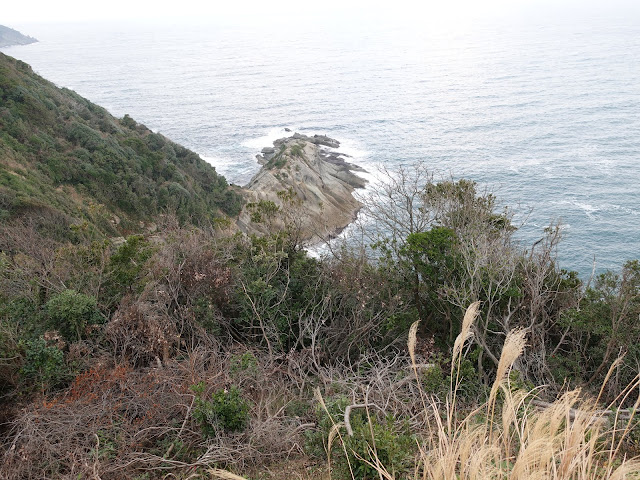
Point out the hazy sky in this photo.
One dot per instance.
(428, 11)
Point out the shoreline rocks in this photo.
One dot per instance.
(312, 187)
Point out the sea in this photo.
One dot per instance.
(545, 113)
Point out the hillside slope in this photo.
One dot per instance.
(67, 159)
(9, 36)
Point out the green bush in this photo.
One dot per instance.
(246, 363)
(11, 355)
(316, 440)
(471, 387)
(22, 313)
(297, 150)
(392, 444)
(227, 410)
(44, 365)
(207, 315)
(71, 312)
(125, 271)
(434, 381)
(388, 438)
(59, 138)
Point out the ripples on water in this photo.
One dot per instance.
(547, 115)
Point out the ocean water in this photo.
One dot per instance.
(546, 114)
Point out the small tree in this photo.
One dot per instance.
(450, 245)
(432, 259)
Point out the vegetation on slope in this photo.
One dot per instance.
(204, 349)
(197, 349)
(66, 160)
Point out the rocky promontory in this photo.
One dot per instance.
(311, 185)
(9, 37)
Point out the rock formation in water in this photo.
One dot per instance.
(311, 185)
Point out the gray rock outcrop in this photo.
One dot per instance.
(318, 188)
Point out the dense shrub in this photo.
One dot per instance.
(71, 312)
(126, 270)
(226, 410)
(352, 455)
(60, 138)
(43, 366)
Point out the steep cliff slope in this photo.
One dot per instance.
(68, 161)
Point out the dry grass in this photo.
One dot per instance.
(116, 422)
(509, 438)
(511, 435)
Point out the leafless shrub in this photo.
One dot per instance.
(191, 273)
(142, 331)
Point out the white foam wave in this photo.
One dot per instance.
(589, 210)
(352, 149)
(266, 140)
(621, 208)
(233, 172)
(586, 207)
(324, 249)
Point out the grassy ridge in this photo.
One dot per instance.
(62, 154)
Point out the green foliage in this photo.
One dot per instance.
(470, 387)
(316, 440)
(52, 137)
(44, 365)
(460, 207)
(297, 407)
(246, 363)
(71, 312)
(207, 315)
(391, 441)
(128, 122)
(10, 354)
(297, 150)
(431, 262)
(22, 313)
(600, 327)
(434, 381)
(226, 410)
(263, 211)
(108, 443)
(126, 269)
(393, 445)
(279, 160)
(438, 381)
(432, 253)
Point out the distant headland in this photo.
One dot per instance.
(9, 37)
